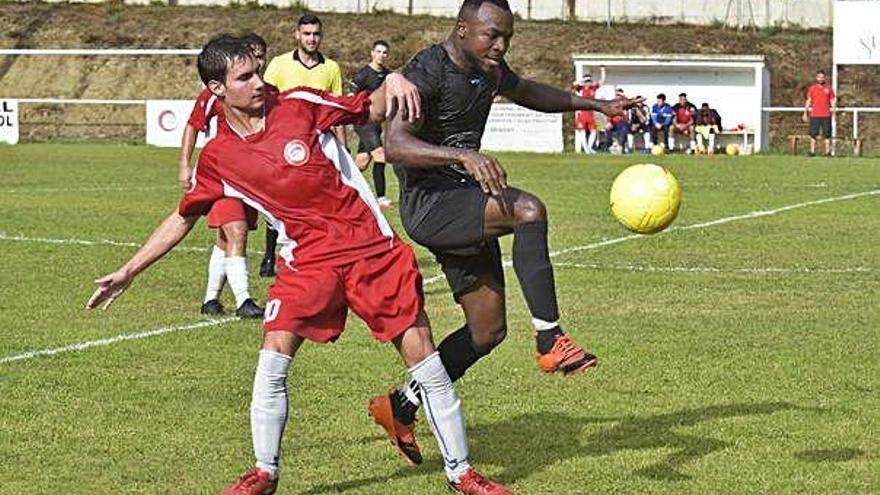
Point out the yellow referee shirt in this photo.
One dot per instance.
(287, 71)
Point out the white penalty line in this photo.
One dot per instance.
(113, 340)
(86, 242)
(696, 226)
(711, 269)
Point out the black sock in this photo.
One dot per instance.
(545, 339)
(458, 353)
(271, 242)
(379, 178)
(531, 262)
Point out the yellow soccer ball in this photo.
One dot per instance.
(732, 149)
(645, 198)
(657, 149)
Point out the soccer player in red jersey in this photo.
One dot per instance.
(280, 157)
(585, 121)
(684, 121)
(229, 216)
(821, 104)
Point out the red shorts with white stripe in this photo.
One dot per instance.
(384, 290)
(228, 210)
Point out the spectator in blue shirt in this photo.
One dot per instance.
(661, 119)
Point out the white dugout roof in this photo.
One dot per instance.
(738, 86)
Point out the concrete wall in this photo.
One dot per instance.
(808, 13)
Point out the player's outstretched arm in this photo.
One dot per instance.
(188, 143)
(171, 231)
(543, 98)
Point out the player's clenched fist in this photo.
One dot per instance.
(486, 170)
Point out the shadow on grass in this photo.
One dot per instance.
(829, 455)
(529, 443)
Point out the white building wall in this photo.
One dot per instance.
(808, 13)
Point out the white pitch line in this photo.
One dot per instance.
(85, 242)
(703, 225)
(711, 269)
(119, 188)
(112, 340)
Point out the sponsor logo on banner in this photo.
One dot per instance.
(511, 127)
(166, 120)
(9, 121)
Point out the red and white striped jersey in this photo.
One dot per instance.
(299, 177)
(206, 108)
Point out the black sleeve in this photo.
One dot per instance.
(508, 78)
(424, 72)
(717, 119)
(358, 83)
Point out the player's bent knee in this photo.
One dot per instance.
(282, 342)
(530, 209)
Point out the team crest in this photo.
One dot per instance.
(296, 153)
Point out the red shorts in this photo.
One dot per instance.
(385, 290)
(227, 210)
(585, 120)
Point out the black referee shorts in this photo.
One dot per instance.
(449, 223)
(820, 125)
(369, 137)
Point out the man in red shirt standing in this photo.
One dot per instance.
(230, 216)
(585, 121)
(278, 154)
(820, 106)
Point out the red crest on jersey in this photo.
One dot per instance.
(296, 153)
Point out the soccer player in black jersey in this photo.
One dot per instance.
(455, 201)
(370, 77)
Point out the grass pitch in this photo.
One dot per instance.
(738, 351)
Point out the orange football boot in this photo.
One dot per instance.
(474, 483)
(567, 357)
(401, 434)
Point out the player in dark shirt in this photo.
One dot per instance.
(455, 200)
(370, 77)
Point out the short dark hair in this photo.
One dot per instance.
(661, 96)
(470, 6)
(217, 53)
(380, 43)
(308, 19)
(682, 94)
(705, 105)
(254, 39)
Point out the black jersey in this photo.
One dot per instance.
(369, 79)
(455, 106)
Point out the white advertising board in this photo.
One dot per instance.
(856, 32)
(511, 127)
(9, 121)
(166, 120)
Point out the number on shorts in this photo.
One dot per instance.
(272, 309)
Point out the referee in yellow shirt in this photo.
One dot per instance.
(305, 66)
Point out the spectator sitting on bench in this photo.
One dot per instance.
(684, 122)
(708, 126)
(619, 125)
(661, 119)
(640, 122)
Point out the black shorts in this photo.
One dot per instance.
(820, 125)
(449, 222)
(369, 137)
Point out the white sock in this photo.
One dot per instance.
(591, 140)
(700, 140)
(443, 409)
(630, 141)
(237, 274)
(580, 141)
(648, 143)
(269, 409)
(693, 144)
(671, 143)
(712, 141)
(409, 390)
(541, 325)
(216, 274)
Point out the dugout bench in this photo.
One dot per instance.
(856, 143)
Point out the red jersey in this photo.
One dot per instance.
(209, 106)
(820, 96)
(585, 119)
(300, 178)
(206, 108)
